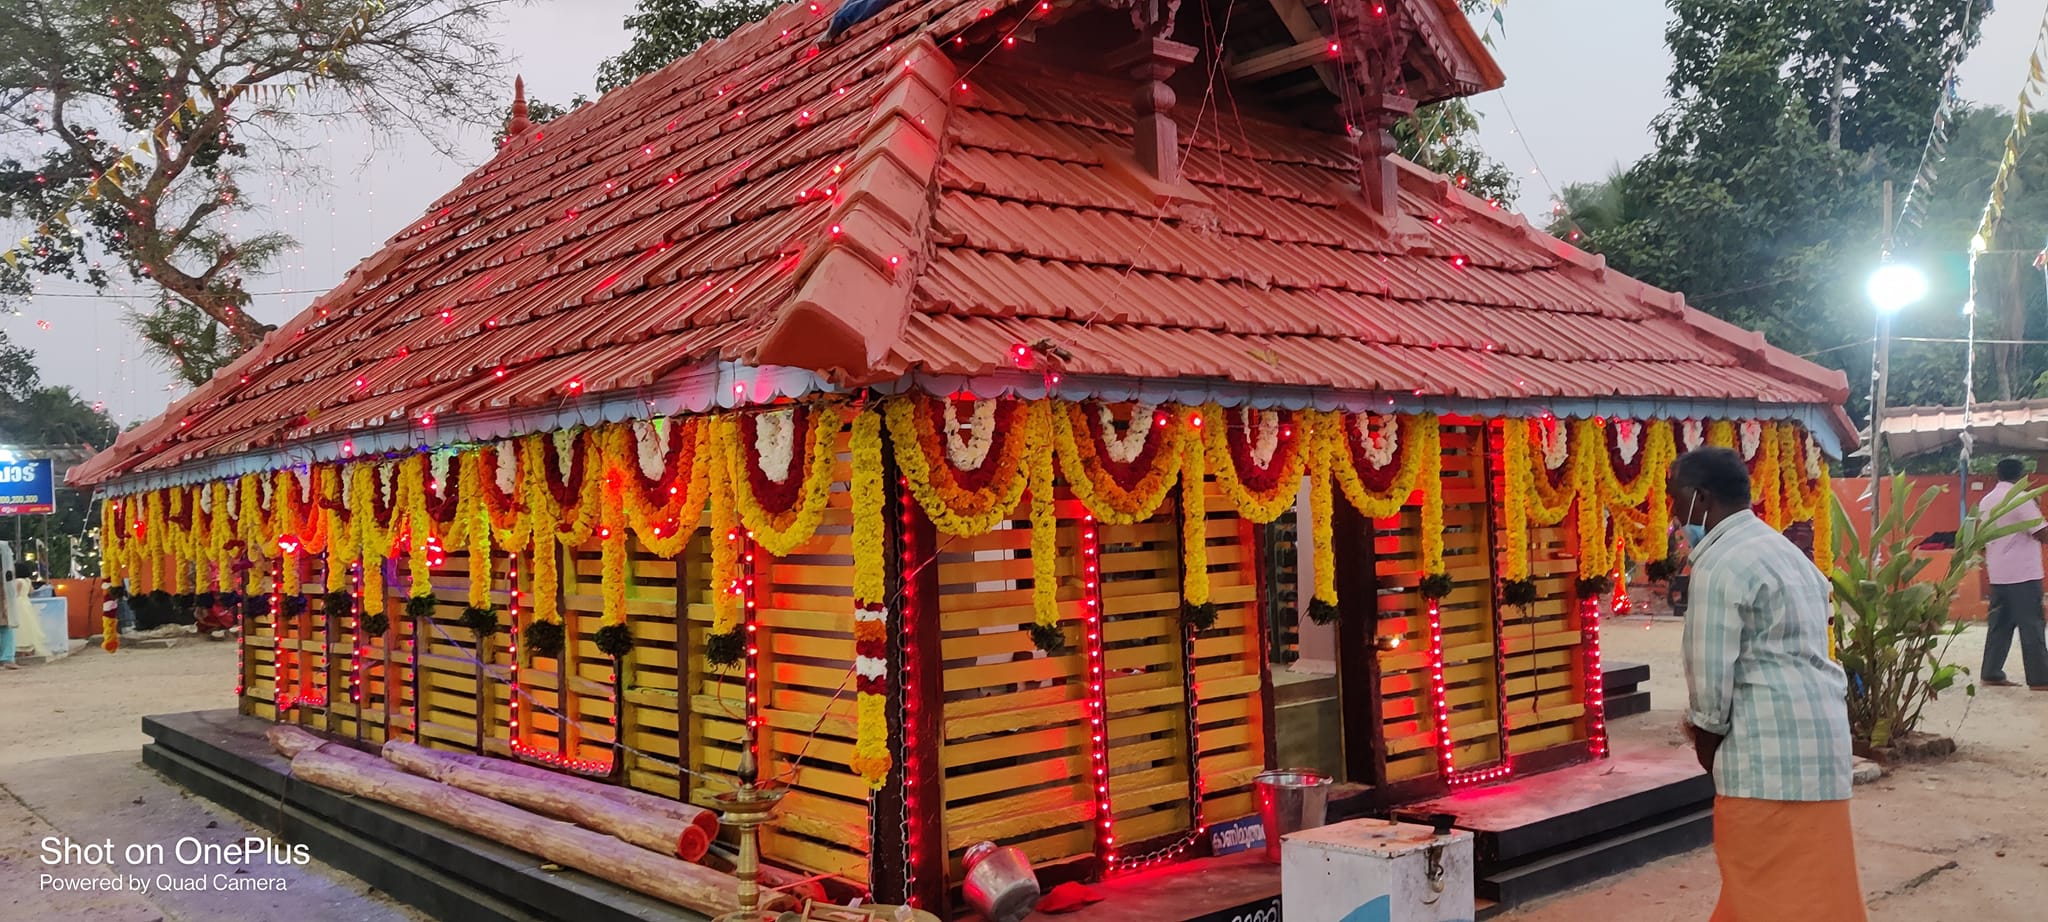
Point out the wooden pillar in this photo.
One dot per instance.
(1358, 663)
(907, 842)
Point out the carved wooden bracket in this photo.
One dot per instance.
(1373, 38)
(1157, 139)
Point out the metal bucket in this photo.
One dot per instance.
(1290, 800)
(1000, 884)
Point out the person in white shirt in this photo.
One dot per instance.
(2012, 578)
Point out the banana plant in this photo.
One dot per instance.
(1892, 627)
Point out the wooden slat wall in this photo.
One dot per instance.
(1147, 687)
(450, 679)
(592, 677)
(651, 718)
(1280, 575)
(1471, 648)
(1014, 746)
(308, 634)
(1229, 678)
(716, 726)
(1405, 705)
(804, 603)
(259, 670)
(1543, 683)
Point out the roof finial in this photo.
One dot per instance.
(517, 124)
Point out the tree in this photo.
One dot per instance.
(146, 114)
(1761, 199)
(664, 30)
(1444, 138)
(538, 113)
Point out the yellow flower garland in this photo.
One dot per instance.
(576, 523)
(871, 725)
(1721, 434)
(1587, 461)
(542, 512)
(342, 546)
(1111, 503)
(1764, 488)
(1824, 525)
(1432, 524)
(469, 509)
(1194, 514)
(869, 542)
(1515, 505)
(1258, 508)
(725, 548)
(1547, 504)
(781, 534)
(951, 509)
(409, 508)
(1421, 456)
(666, 530)
(1038, 462)
(154, 524)
(1322, 503)
(174, 539)
(284, 506)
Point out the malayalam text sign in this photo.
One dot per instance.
(27, 488)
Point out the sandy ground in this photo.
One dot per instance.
(70, 766)
(1964, 840)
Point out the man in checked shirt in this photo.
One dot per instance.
(1767, 709)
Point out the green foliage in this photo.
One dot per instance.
(1444, 138)
(664, 30)
(93, 80)
(1892, 625)
(1762, 199)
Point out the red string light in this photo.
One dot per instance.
(355, 627)
(1446, 755)
(744, 588)
(1098, 702)
(907, 614)
(512, 617)
(1596, 683)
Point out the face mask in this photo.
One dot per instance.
(1694, 533)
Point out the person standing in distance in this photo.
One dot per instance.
(1767, 708)
(2012, 584)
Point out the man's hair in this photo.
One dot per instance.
(1717, 472)
(2011, 469)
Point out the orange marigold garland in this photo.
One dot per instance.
(664, 509)
(1120, 491)
(781, 472)
(724, 646)
(1196, 606)
(1632, 482)
(870, 612)
(1257, 457)
(965, 501)
(1046, 633)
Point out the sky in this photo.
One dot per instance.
(1579, 100)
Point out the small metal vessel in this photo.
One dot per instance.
(1000, 884)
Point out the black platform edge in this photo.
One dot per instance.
(1508, 847)
(445, 872)
(1627, 704)
(1557, 873)
(1625, 676)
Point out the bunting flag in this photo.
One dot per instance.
(2015, 142)
(189, 108)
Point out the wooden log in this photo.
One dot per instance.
(682, 883)
(565, 798)
(290, 740)
(638, 800)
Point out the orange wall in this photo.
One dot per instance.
(1944, 515)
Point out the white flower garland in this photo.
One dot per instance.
(305, 486)
(1557, 443)
(438, 465)
(507, 469)
(565, 452)
(1812, 450)
(967, 444)
(1263, 431)
(1628, 439)
(1379, 439)
(1125, 448)
(268, 483)
(1752, 438)
(775, 443)
(1693, 433)
(206, 500)
(869, 667)
(651, 448)
(387, 478)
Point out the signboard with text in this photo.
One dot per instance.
(27, 487)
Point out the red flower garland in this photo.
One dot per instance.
(778, 498)
(1004, 426)
(871, 642)
(1376, 479)
(493, 497)
(676, 471)
(1127, 476)
(1254, 477)
(1627, 471)
(567, 491)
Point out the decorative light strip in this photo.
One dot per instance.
(357, 641)
(1596, 681)
(280, 666)
(744, 588)
(1439, 697)
(412, 653)
(1098, 702)
(1501, 772)
(512, 617)
(594, 767)
(1197, 788)
(907, 614)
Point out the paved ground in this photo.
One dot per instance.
(1963, 840)
(70, 766)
